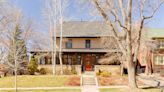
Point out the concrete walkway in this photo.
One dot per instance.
(89, 88)
(89, 82)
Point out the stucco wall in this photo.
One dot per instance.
(114, 69)
(80, 42)
(49, 67)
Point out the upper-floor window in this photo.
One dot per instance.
(87, 43)
(159, 60)
(161, 44)
(69, 44)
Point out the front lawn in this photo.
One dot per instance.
(40, 81)
(60, 90)
(127, 90)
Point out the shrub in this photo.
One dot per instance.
(67, 71)
(32, 66)
(74, 71)
(98, 73)
(43, 71)
(103, 73)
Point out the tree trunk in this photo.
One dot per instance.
(121, 69)
(148, 69)
(131, 75)
(61, 63)
(130, 64)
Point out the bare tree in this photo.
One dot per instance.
(54, 14)
(125, 14)
(14, 37)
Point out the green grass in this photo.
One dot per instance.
(127, 90)
(60, 90)
(34, 81)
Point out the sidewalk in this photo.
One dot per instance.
(89, 88)
(38, 88)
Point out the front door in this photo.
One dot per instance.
(88, 62)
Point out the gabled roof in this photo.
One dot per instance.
(84, 29)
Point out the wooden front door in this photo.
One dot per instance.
(88, 62)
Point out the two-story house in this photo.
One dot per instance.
(81, 44)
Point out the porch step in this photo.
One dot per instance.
(89, 73)
(89, 81)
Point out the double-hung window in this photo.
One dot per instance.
(161, 44)
(69, 44)
(87, 43)
(159, 60)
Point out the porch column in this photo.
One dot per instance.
(30, 55)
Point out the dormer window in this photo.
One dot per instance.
(69, 44)
(87, 44)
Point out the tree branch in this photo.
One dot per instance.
(113, 12)
(105, 16)
(155, 10)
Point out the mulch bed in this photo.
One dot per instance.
(115, 80)
(73, 81)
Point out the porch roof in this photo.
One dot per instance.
(90, 50)
(93, 50)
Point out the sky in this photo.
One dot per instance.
(34, 9)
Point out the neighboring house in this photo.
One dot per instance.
(3, 70)
(81, 44)
(153, 54)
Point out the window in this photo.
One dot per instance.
(69, 44)
(87, 43)
(161, 44)
(159, 60)
(69, 59)
(65, 61)
(78, 59)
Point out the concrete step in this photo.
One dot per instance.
(89, 73)
(89, 81)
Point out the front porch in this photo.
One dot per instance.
(114, 69)
(85, 60)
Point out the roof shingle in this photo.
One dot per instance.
(84, 29)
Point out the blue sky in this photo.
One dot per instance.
(34, 8)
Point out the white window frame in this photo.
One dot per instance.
(157, 62)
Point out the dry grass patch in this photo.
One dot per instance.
(39, 81)
(114, 80)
